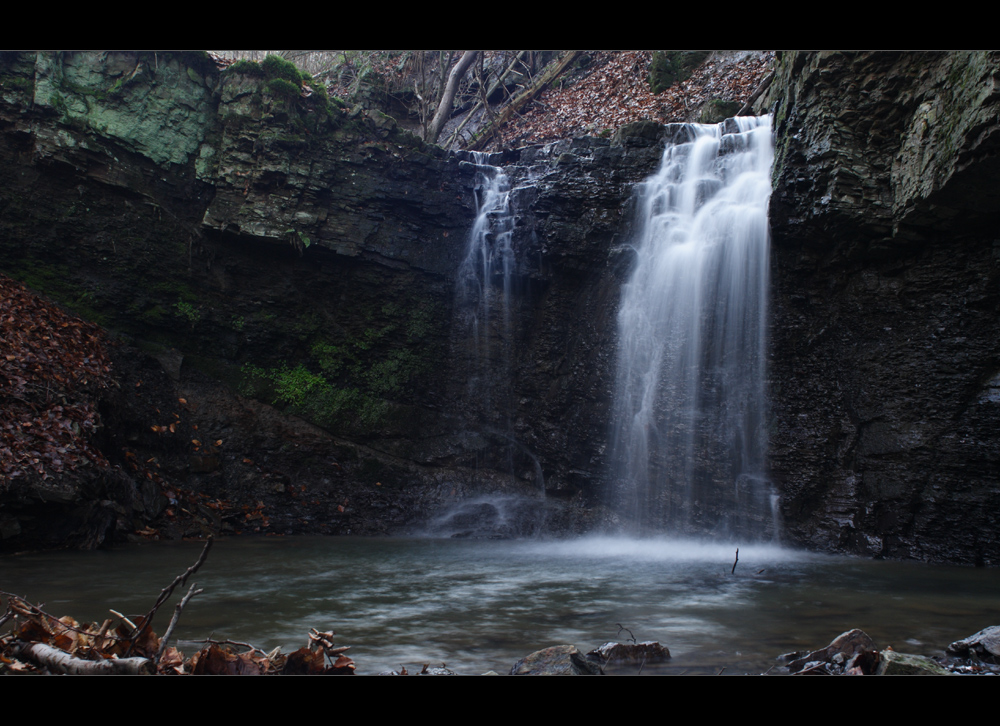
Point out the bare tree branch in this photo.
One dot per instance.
(448, 98)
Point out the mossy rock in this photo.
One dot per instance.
(274, 66)
(247, 68)
(280, 88)
(717, 110)
(672, 66)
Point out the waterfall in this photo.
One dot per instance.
(689, 417)
(488, 255)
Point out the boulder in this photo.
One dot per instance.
(645, 652)
(984, 645)
(853, 649)
(557, 660)
(892, 663)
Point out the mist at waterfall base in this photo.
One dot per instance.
(689, 431)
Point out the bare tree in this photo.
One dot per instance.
(444, 106)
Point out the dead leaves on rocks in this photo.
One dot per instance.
(615, 91)
(66, 646)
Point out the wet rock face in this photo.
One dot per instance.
(310, 261)
(308, 258)
(885, 421)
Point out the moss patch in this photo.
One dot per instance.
(672, 66)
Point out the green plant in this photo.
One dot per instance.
(237, 322)
(298, 240)
(188, 311)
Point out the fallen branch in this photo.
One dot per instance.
(544, 80)
(733, 572)
(482, 103)
(745, 111)
(62, 662)
(166, 592)
(173, 621)
(630, 636)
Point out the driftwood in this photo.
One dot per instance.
(523, 98)
(62, 662)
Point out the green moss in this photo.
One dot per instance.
(672, 66)
(355, 383)
(717, 110)
(18, 84)
(176, 289)
(55, 282)
(247, 68)
(274, 66)
(156, 315)
(283, 89)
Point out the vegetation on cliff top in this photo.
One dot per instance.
(597, 94)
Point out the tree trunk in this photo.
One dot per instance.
(62, 662)
(444, 108)
(515, 105)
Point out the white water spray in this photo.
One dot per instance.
(690, 407)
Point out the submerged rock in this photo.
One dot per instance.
(646, 652)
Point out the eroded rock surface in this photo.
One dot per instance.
(885, 273)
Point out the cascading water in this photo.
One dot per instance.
(489, 254)
(689, 413)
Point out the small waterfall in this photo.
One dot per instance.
(689, 411)
(489, 255)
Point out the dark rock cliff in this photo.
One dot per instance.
(303, 254)
(885, 350)
(290, 268)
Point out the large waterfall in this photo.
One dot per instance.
(690, 407)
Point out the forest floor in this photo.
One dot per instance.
(614, 90)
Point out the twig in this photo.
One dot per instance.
(250, 646)
(737, 560)
(641, 665)
(621, 628)
(173, 621)
(19, 606)
(720, 671)
(168, 591)
(124, 619)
